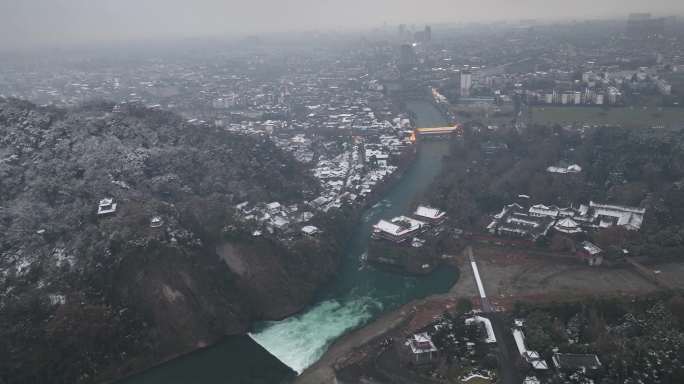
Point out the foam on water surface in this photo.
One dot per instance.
(299, 341)
(360, 294)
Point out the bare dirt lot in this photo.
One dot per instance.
(511, 275)
(508, 275)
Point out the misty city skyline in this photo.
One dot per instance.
(30, 23)
(327, 191)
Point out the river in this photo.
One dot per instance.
(358, 294)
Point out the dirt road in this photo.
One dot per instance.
(507, 276)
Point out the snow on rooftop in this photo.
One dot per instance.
(310, 230)
(531, 357)
(491, 338)
(106, 205)
(543, 210)
(395, 228)
(574, 168)
(429, 212)
(628, 217)
(591, 248)
(539, 364)
(476, 377)
(568, 225)
(386, 226)
(519, 337)
(523, 222)
(274, 205)
(421, 343)
(280, 221)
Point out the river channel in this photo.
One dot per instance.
(358, 294)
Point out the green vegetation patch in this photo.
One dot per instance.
(637, 340)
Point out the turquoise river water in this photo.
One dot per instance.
(358, 294)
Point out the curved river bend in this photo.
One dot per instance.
(357, 296)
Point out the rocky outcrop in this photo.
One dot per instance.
(86, 297)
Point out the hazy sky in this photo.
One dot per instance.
(30, 22)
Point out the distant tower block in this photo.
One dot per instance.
(428, 33)
(407, 57)
(466, 83)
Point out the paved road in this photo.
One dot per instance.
(485, 305)
(323, 370)
(506, 349)
(507, 352)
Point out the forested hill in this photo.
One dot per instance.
(83, 296)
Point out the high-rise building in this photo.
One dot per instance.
(407, 57)
(466, 83)
(423, 36)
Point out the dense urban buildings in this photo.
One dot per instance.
(297, 187)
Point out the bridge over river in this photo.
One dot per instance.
(356, 297)
(361, 294)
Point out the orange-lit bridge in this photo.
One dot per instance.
(439, 131)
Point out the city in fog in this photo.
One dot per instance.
(341, 192)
